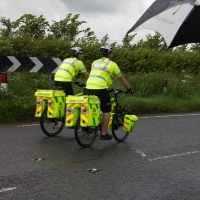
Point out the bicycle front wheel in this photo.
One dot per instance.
(85, 136)
(51, 126)
(117, 128)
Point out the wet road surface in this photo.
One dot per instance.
(159, 160)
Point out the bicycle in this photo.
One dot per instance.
(85, 136)
(45, 109)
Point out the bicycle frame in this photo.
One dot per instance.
(115, 106)
(85, 136)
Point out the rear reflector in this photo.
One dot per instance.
(4, 77)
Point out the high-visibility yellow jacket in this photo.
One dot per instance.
(102, 73)
(68, 69)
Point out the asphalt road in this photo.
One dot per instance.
(159, 160)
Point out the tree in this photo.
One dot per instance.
(9, 31)
(104, 39)
(68, 28)
(153, 42)
(127, 40)
(88, 37)
(29, 24)
(32, 25)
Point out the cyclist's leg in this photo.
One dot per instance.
(106, 108)
(66, 86)
(104, 97)
(105, 121)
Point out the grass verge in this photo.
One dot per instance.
(182, 95)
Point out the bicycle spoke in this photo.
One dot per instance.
(85, 136)
(51, 127)
(117, 129)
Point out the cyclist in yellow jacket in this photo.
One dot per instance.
(100, 79)
(68, 69)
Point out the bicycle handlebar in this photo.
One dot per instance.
(118, 91)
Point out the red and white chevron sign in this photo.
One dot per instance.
(30, 64)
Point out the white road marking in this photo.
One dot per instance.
(175, 155)
(159, 116)
(28, 125)
(141, 153)
(7, 189)
(162, 116)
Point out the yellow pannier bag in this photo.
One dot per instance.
(73, 107)
(110, 121)
(87, 107)
(55, 101)
(90, 112)
(129, 123)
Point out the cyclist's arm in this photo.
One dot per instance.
(123, 81)
(120, 77)
(79, 66)
(86, 74)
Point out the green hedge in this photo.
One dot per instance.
(182, 95)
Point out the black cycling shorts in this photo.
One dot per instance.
(104, 97)
(66, 86)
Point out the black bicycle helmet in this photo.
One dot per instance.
(76, 50)
(105, 50)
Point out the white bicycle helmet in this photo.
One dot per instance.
(105, 50)
(76, 50)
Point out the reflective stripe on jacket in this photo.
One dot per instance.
(66, 71)
(101, 74)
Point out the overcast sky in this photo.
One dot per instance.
(113, 17)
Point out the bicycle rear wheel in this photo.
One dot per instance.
(117, 128)
(85, 136)
(51, 126)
